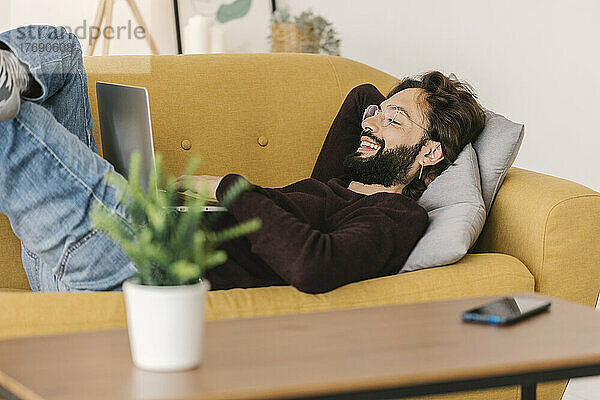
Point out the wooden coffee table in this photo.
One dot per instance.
(371, 353)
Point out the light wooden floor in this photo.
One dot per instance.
(583, 388)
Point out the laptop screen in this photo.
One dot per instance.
(124, 113)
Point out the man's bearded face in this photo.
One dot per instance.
(387, 167)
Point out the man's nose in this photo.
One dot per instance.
(371, 123)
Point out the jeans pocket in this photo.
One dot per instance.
(31, 265)
(94, 262)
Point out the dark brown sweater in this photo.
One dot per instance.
(317, 236)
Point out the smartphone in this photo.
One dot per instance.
(506, 310)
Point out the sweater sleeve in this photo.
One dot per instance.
(311, 260)
(343, 137)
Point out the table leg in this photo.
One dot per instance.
(528, 391)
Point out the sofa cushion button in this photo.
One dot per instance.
(263, 141)
(186, 144)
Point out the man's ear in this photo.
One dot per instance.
(433, 153)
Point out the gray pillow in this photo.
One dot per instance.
(456, 214)
(497, 147)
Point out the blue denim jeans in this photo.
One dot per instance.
(50, 173)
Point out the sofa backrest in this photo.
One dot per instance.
(264, 116)
(221, 105)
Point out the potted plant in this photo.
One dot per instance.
(171, 250)
(318, 34)
(309, 33)
(285, 35)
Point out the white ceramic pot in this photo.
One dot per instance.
(166, 325)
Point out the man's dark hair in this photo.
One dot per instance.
(454, 117)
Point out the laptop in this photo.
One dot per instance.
(124, 113)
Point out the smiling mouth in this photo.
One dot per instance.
(368, 146)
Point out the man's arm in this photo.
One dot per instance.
(343, 137)
(317, 262)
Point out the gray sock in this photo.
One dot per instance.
(14, 80)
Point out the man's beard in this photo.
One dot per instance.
(386, 167)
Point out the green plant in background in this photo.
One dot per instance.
(168, 248)
(318, 34)
(281, 16)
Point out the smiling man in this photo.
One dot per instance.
(387, 162)
(356, 218)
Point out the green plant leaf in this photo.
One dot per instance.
(235, 10)
(134, 170)
(234, 191)
(193, 165)
(167, 248)
(216, 258)
(185, 271)
(242, 229)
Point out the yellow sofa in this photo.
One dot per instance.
(266, 116)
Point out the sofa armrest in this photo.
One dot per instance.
(553, 226)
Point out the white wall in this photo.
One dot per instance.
(536, 62)
(75, 13)
(248, 34)
(533, 61)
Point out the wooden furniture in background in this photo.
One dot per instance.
(105, 14)
(368, 353)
